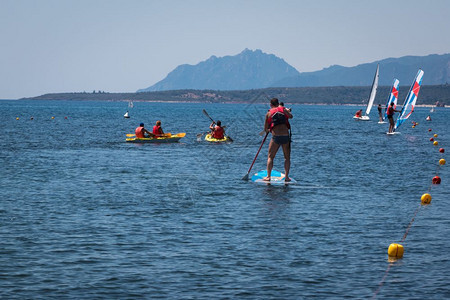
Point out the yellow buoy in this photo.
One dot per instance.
(53, 118)
(435, 143)
(442, 161)
(17, 118)
(435, 135)
(395, 250)
(426, 198)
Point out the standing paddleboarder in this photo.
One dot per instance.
(277, 122)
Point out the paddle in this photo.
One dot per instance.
(246, 175)
(206, 114)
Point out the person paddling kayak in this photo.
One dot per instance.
(217, 130)
(157, 129)
(141, 131)
(277, 123)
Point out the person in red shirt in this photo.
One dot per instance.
(217, 130)
(278, 124)
(157, 130)
(141, 131)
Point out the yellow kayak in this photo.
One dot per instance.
(209, 138)
(167, 138)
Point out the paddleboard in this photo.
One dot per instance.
(391, 133)
(381, 122)
(276, 178)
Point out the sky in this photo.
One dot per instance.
(51, 46)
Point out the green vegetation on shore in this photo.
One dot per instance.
(304, 95)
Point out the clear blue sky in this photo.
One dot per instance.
(49, 46)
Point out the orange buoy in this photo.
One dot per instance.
(435, 135)
(436, 180)
(442, 161)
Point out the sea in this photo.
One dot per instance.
(85, 215)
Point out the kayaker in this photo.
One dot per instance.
(141, 131)
(217, 130)
(277, 123)
(157, 130)
(390, 114)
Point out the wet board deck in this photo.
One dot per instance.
(276, 178)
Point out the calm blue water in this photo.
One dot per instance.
(85, 215)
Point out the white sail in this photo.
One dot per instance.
(373, 92)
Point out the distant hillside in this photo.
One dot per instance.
(247, 70)
(436, 68)
(429, 94)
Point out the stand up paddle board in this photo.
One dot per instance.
(381, 122)
(276, 178)
(391, 133)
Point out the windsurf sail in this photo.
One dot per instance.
(393, 96)
(373, 92)
(130, 104)
(410, 101)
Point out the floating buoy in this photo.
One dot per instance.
(65, 118)
(53, 118)
(426, 198)
(435, 143)
(414, 126)
(435, 135)
(31, 118)
(431, 139)
(442, 161)
(441, 150)
(17, 118)
(395, 250)
(429, 129)
(436, 180)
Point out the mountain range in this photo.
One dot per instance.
(254, 69)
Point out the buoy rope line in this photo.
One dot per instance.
(386, 273)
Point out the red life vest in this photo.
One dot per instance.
(358, 114)
(272, 112)
(157, 130)
(139, 132)
(390, 111)
(218, 133)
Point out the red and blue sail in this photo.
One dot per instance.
(393, 96)
(410, 101)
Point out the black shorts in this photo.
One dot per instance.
(281, 139)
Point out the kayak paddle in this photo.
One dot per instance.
(246, 175)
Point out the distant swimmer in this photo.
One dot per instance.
(217, 131)
(379, 112)
(390, 114)
(358, 114)
(277, 122)
(141, 131)
(157, 129)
